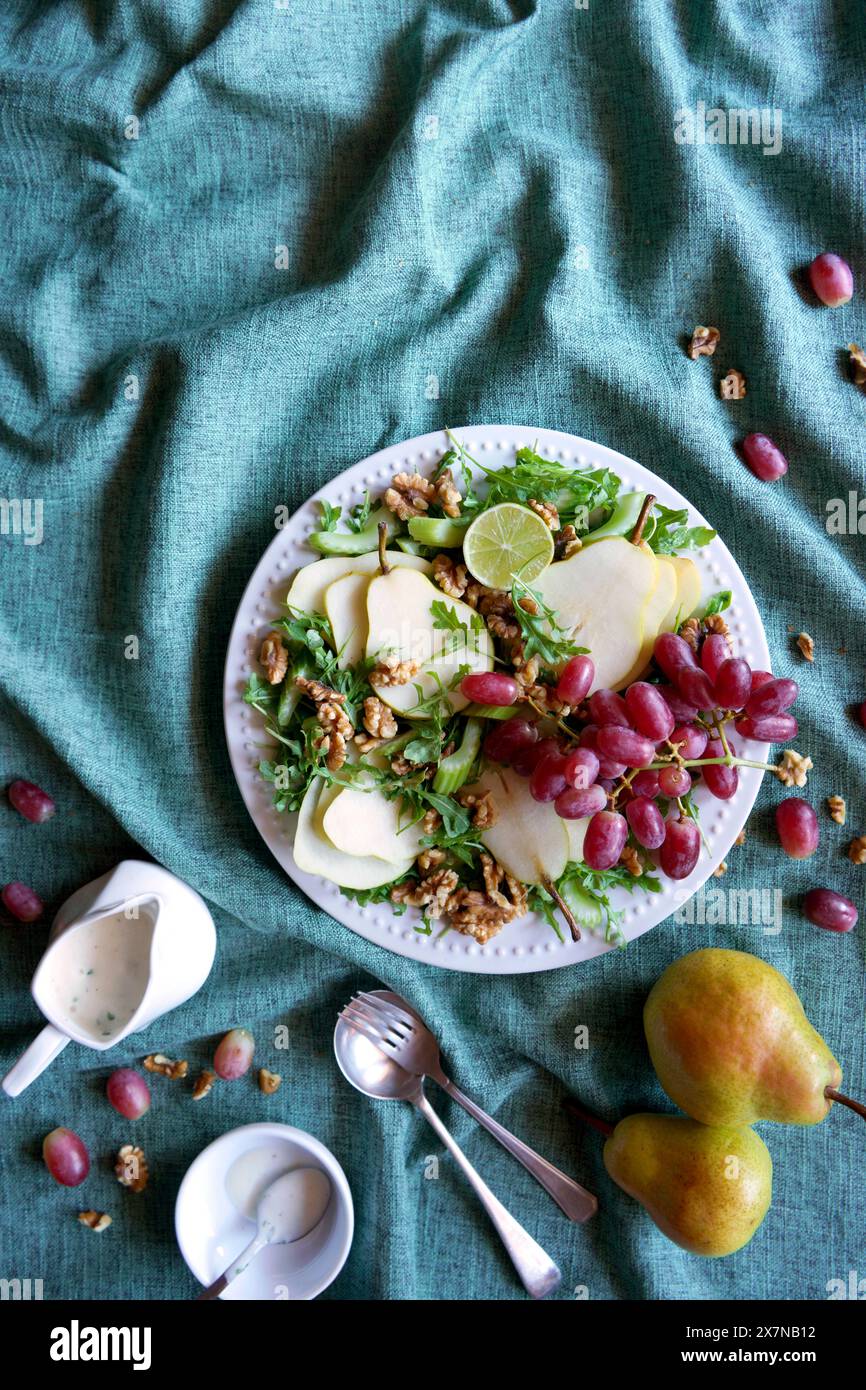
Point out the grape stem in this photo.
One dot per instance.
(563, 907)
(729, 761)
(832, 1094)
(587, 1117)
(383, 546)
(645, 510)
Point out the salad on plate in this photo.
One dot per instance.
(495, 691)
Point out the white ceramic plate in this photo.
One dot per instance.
(211, 1231)
(527, 944)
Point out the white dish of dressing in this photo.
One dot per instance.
(122, 951)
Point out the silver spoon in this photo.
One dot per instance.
(291, 1207)
(407, 1037)
(371, 1072)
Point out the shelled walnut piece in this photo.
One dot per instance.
(410, 495)
(732, 386)
(164, 1066)
(131, 1168)
(95, 1220)
(392, 671)
(451, 577)
(792, 768)
(204, 1085)
(857, 360)
(269, 1081)
(704, 342)
(274, 658)
(807, 646)
(857, 850)
(836, 807)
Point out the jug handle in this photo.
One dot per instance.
(41, 1052)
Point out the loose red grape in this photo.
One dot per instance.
(646, 821)
(714, 651)
(690, 740)
(129, 1093)
(31, 801)
(720, 781)
(797, 826)
(672, 654)
(733, 683)
(22, 902)
(681, 710)
(674, 781)
(681, 849)
(830, 910)
(863, 714)
(764, 458)
(694, 684)
(605, 840)
(760, 678)
(646, 783)
(506, 738)
(66, 1157)
(234, 1052)
(525, 759)
(548, 777)
(650, 713)
(606, 707)
(576, 802)
(577, 676)
(581, 768)
(625, 746)
(773, 728)
(832, 279)
(773, 697)
(490, 688)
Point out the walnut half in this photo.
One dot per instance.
(131, 1169)
(704, 342)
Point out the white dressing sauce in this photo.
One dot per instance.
(302, 1203)
(96, 974)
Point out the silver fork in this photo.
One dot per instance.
(403, 1035)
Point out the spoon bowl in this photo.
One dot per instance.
(365, 1066)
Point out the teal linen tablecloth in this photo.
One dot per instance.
(246, 244)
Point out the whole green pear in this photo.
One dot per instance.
(707, 1190)
(731, 1044)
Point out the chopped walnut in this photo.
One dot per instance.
(131, 1169)
(495, 877)
(430, 859)
(857, 361)
(807, 646)
(475, 914)
(204, 1085)
(164, 1066)
(857, 850)
(410, 495)
(451, 577)
(792, 768)
(631, 861)
(96, 1220)
(703, 343)
(741, 838)
(690, 631)
(504, 628)
(836, 807)
(566, 543)
(544, 698)
(528, 605)
(274, 658)
(483, 808)
(337, 729)
(269, 1081)
(715, 623)
(431, 821)
(732, 387)
(526, 669)
(319, 692)
(721, 869)
(447, 495)
(547, 511)
(379, 720)
(392, 671)
(431, 893)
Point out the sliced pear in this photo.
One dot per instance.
(307, 590)
(400, 623)
(600, 597)
(688, 594)
(655, 615)
(576, 830)
(529, 839)
(345, 605)
(316, 855)
(363, 822)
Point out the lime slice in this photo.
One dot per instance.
(507, 540)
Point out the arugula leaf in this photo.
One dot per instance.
(447, 620)
(360, 515)
(719, 602)
(457, 457)
(382, 894)
(542, 636)
(575, 492)
(259, 692)
(672, 533)
(330, 516)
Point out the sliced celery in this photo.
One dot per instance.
(438, 530)
(622, 520)
(587, 910)
(491, 711)
(455, 769)
(354, 542)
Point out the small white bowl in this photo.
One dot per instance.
(211, 1231)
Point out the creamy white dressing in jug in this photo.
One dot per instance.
(96, 974)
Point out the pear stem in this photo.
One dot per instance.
(563, 907)
(588, 1118)
(383, 546)
(637, 533)
(832, 1094)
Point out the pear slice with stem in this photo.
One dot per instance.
(655, 615)
(529, 839)
(307, 590)
(688, 595)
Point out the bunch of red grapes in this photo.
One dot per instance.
(643, 745)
